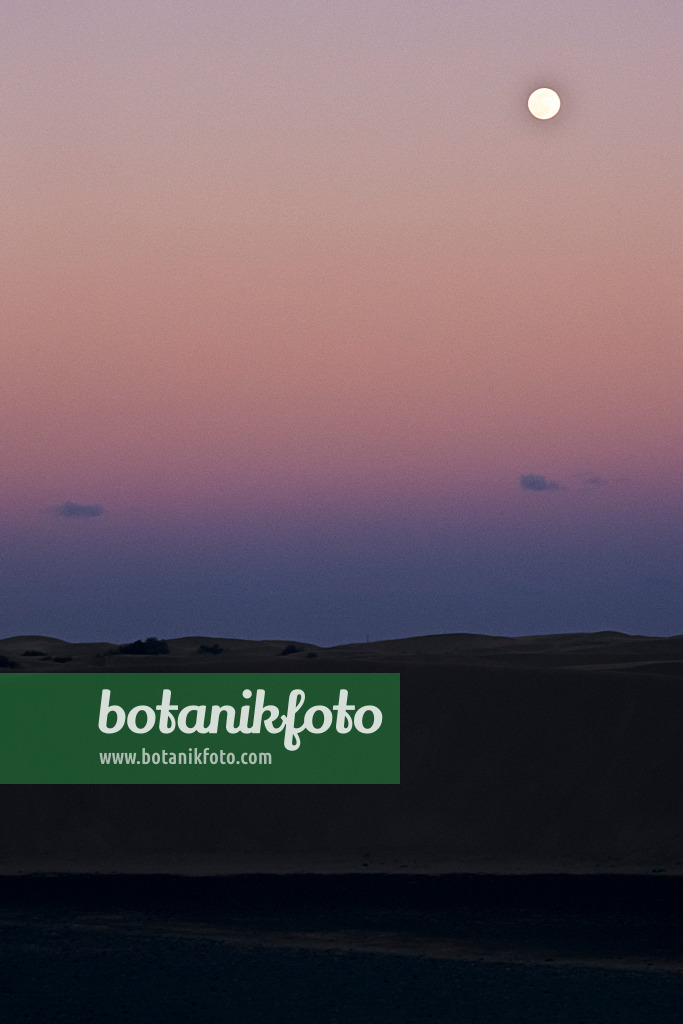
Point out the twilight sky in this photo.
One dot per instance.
(312, 332)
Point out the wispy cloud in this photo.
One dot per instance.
(536, 482)
(591, 479)
(72, 510)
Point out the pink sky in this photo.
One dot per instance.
(267, 260)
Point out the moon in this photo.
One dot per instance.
(544, 103)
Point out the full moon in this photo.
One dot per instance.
(544, 103)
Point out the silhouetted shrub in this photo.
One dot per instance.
(66, 658)
(149, 646)
(34, 654)
(6, 663)
(290, 649)
(312, 654)
(215, 649)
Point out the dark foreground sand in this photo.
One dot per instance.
(527, 869)
(523, 755)
(458, 950)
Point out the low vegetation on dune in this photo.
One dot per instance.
(149, 646)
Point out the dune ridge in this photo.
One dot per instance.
(607, 649)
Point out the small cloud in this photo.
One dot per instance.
(535, 482)
(595, 481)
(72, 510)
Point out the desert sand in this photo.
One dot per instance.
(527, 868)
(557, 754)
(340, 949)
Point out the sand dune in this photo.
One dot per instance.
(607, 650)
(541, 753)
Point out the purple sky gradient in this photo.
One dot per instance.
(297, 294)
